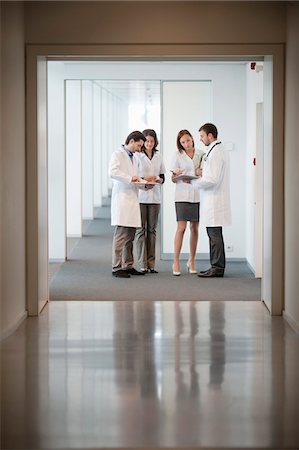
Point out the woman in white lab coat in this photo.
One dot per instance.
(186, 162)
(152, 169)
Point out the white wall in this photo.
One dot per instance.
(56, 161)
(97, 131)
(87, 150)
(229, 115)
(73, 148)
(105, 142)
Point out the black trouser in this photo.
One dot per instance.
(217, 253)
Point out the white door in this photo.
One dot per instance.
(259, 191)
(185, 105)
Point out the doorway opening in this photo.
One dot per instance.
(93, 105)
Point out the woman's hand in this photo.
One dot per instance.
(135, 179)
(198, 172)
(175, 173)
(151, 178)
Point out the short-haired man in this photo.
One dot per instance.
(214, 186)
(125, 209)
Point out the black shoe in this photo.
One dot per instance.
(144, 271)
(133, 271)
(205, 271)
(152, 271)
(211, 273)
(121, 274)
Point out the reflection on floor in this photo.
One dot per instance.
(90, 375)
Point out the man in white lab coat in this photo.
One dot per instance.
(214, 185)
(125, 209)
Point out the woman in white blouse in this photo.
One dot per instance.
(150, 168)
(186, 161)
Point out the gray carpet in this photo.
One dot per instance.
(87, 276)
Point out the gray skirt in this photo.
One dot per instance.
(187, 212)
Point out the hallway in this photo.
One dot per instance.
(204, 375)
(147, 374)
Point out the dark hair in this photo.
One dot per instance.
(152, 133)
(181, 134)
(209, 128)
(136, 136)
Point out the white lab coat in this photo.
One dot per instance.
(214, 185)
(150, 167)
(185, 192)
(125, 209)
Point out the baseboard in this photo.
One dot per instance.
(293, 324)
(185, 256)
(12, 327)
(251, 268)
(56, 260)
(199, 257)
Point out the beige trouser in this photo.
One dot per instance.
(122, 248)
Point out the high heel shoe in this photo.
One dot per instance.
(189, 270)
(176, 274)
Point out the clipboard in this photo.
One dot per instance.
(144, 183)
(185, 177)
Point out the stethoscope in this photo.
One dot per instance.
(206, 157)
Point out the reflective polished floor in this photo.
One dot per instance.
(175, 375)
